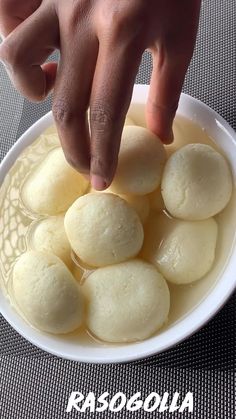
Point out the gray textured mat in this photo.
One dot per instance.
(34, 384)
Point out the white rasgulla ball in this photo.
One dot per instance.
(140, 163)
(126, 302)
(46, 293)
(103, 229)
(196, 182)
(183, 251)
(53, 186)
(49, 236)
(140, 203)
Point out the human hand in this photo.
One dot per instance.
(101, 44)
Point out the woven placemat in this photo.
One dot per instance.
(34, 384)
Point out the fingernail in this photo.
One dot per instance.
(98, 183)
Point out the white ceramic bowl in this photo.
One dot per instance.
(76, 350)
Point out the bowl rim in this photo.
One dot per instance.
(179, 331)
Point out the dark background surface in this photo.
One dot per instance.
(33, 384)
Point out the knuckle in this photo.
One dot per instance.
(62, 113)
(10, 56)
(75, 14)
(117, 22)
(101, 118)
(125, 21)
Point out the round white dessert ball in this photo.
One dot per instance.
(53, 186)
(140, 204)
(183, 251)
(140, 163)
(49, 236)
(103, 229)
(126, 302)
(196, 183)
(46, 293)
